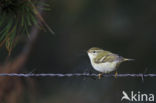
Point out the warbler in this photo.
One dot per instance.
(105, 61)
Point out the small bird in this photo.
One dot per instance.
(104, 61)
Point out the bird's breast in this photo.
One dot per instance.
(105, 67)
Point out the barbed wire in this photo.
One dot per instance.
(73, 75)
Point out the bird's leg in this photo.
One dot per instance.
(116, 74)
(100, 75)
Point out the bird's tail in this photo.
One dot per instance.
(127, 59)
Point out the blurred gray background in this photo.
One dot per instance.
(125, 27)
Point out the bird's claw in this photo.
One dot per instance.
(116, 74)
(99, 76)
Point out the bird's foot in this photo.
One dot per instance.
(99, 76)
(116, 74)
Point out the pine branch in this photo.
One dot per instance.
(16, 19)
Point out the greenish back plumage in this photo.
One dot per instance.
(105, 56)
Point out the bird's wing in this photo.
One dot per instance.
(106, 58)
(110, 58)
(100, 57)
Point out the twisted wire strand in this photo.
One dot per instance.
(73, 75)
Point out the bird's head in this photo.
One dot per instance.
(93, 52)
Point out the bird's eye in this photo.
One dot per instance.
(94, 51)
